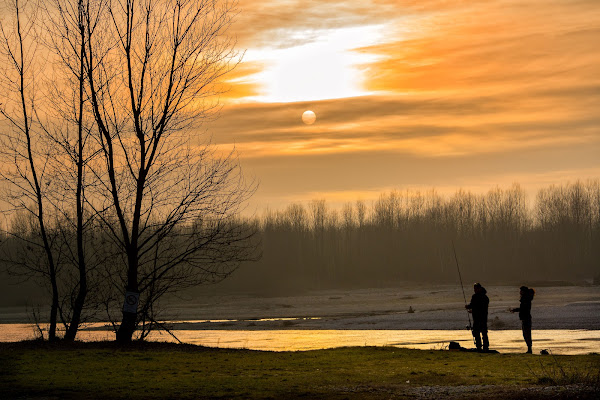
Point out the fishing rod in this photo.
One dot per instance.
(469, 327)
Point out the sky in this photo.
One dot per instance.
(412, 94)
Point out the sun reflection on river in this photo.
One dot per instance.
(559, 341)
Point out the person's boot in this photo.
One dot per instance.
(529, 350)
(477, 342)
(486, 342)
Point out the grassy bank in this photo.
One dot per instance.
(103, 370)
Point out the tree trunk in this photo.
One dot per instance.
(53, 307)
(127, 328)
(71, 332)
(130, 303)
(81, 264)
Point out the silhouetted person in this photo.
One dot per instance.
(479, 308)
(524, 311)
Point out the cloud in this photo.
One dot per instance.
(267, 23)
(425, 125)
(469, 51)
(236, 84)
(286, 179)
(449, 47)
(466, 94)
(369, 144)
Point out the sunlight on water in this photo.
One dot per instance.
(559, 341)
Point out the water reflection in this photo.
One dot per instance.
(510, 341)
(559, 341)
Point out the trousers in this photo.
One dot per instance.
(526, 326)
(480, 333)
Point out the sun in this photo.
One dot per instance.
(309, 117)
(317, 64)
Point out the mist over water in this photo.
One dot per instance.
(498, 237)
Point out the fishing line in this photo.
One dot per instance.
(463, 289)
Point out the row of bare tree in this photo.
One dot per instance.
(116, 199)
(499, 237)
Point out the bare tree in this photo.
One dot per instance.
(70, 131)
(152, 69)
(131, 83)
(61, 140)
(361, 212)
(23, 146)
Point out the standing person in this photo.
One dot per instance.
(479, 308)
(524, 311)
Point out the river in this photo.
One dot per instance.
(558, 341)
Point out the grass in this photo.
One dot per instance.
(559, 373)
(160, 370)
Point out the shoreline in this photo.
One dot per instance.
(438, 307)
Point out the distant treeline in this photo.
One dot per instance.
(410, 235)
(499, 237)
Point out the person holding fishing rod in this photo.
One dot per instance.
(478, 307)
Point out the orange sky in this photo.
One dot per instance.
(413, 94)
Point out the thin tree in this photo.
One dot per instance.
(152, 69)
(22, 144)
(65, 27)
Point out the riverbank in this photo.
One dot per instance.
(36, 370)
(409, 306)
(404, 307)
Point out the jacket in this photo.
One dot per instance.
(479, 305)
(525, 307)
